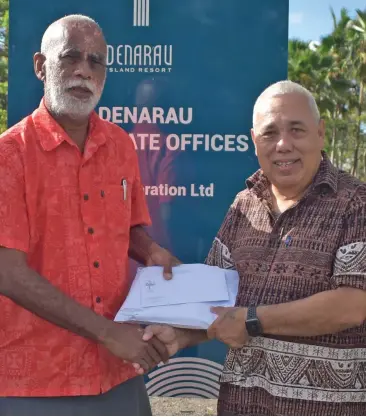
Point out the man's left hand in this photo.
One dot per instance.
(161, 257)
(229, 327)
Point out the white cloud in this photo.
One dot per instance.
(296, 18)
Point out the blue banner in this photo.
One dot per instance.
(182, 80)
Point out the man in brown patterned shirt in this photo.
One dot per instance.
(297, 237)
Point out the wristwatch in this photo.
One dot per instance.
(252, 323)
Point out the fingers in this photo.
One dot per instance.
(161, 349)
(138, 368)
(147, 358)
(148, 334)
(152, 356)
(156, 353)
(145, 363)
(218, 310)
(151, 331)
(155, 350)
(167, 271)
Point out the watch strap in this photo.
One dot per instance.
(252, 313)
(253, 324)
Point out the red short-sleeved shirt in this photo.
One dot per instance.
(69, 212)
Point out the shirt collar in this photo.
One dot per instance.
(327, 176)
(52, 134)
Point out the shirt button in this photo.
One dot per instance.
(90, 230)
(96, 264)
(98, 300)
(102, 194)
(86, 197)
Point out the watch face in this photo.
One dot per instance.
(254, 327)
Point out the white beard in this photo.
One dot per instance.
(64, 104)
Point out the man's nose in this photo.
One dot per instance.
(285, 142)
(83, 70)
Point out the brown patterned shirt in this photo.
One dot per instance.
(317, 245)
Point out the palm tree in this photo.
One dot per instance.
(340, 85)
(335, 72)
(317, 69)
(357, 55)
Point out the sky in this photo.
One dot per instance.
(309, 20)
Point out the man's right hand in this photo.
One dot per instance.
(173, 338)
(126, 342)
(170, 336)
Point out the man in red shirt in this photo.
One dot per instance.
(72, 209)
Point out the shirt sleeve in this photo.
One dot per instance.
(139, 211)
(350, 261)
(14, 226)
(220, 252)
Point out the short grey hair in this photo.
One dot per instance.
(286, 87)
(51, 33)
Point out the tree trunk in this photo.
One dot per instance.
(333, 142)
(341, 156)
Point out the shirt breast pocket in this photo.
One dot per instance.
(118, 207)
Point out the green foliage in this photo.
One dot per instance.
(335, 72)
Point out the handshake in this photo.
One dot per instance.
(146, 348)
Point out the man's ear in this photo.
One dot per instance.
(254, 140)
(39, 66)
(321, 132)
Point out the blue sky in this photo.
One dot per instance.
(311, 19)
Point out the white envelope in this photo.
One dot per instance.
(188, 315)
(191, 283)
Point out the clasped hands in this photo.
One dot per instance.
(157, 343)
(144, 348)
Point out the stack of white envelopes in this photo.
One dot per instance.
(185, 301)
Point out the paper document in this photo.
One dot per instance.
(191, 283)
(189, 314)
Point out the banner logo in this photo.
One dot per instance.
(185, 377)
(140, 58)
(141, 13)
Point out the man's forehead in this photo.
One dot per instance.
(85, 38)
(283, 120)
(283, 102)
(284, 108)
